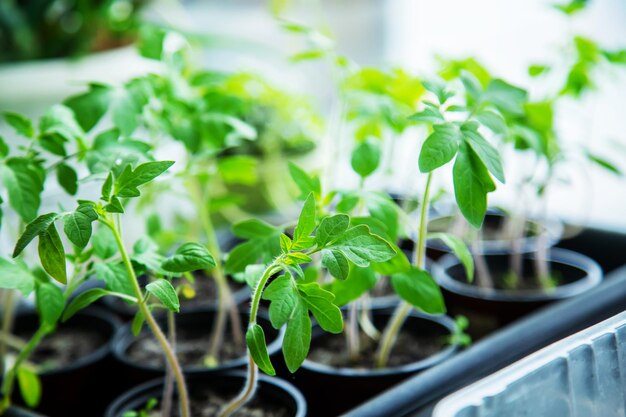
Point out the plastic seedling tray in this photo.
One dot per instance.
(582, 375)
(418, 394)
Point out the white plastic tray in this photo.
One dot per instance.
(583, 375)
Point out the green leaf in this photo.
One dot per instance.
(285, 243)
(359, 281)
(255, 339)
(34, 229)
(383, 209)
(30, 385)
(4, 148)
(103, 243)
(165, 292)
(52, 254)
(439, 88)
(16, 276)
(107, 188)
(306, 221)
(238, 169)
(67, 178)
(506, 97)
(537, 70)
(21, 124)
(571, 7)
(494, 121)
(77, 225)
(307, 184)
(320, 302)
(253, 274)
(603, 163)
(189, 257)
(115, 277)
(430, 114)
(471, 185)
(331, 227)
(362, 247)
(146, 253)
(83, 300)
(127, 183)
(472, 85)
(366, 158)
(89, 107)
(50, 303)
(399, 263)
(253, 228)
(487, 153)
(58, 126)
(24, 185)
(348, 202)
(336, 263)
(283, 299)
(419, 289)
(115, 206)
(459, 248)
(242, 255)
(125, 113)
(297, 338)
(440, 147)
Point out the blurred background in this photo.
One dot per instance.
(506, 37)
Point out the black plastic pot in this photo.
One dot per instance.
(126, 312)
(331, 391)
(86, 384)
(21, 412)
(270, 390)
(417, 395)
(529, 242)
(607, 247)
(133, 373)
(488, 309)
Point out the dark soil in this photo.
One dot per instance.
(206, 295)
(206, 292)
(191, 348)
(65, 347)
(331, 350)
(208, 403)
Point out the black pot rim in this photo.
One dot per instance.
(279, 383)
(125, 337)
(556, 255)
(502, 246)
(409, 368)
(93, 314)
(118, 306)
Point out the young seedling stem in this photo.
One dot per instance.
(251, 380)
(392, 330)
(170, 355)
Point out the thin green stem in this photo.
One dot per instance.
(7, 324)
(168, 389)
(183, 396)
(248, 390)
(225, 301)
(9, 381)
(390, 334)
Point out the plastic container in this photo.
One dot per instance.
(582, 375)
(504, 347)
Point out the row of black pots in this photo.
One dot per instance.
(84, 384)
(324, 387)
(90, 384)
